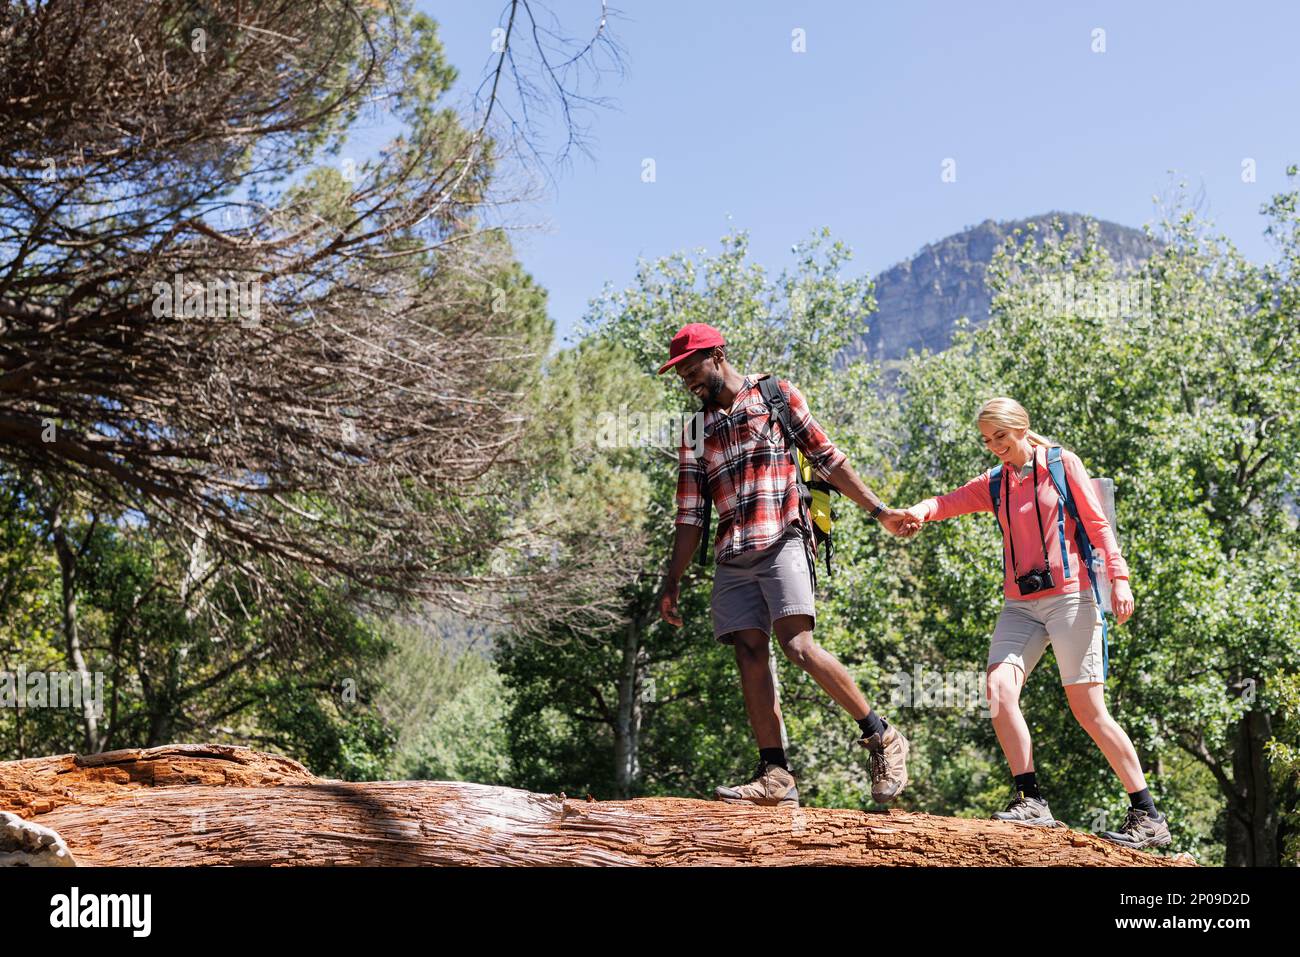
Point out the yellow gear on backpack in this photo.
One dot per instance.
(820, 508)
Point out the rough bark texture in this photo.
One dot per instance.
(217, 804)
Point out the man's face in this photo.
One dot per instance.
(701, 375)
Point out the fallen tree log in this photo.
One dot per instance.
(225, 805)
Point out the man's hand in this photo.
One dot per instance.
(898, 522)
(1121, 599)
(668, 604)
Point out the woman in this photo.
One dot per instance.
(1044, 604)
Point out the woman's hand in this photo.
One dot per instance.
(1121, 599)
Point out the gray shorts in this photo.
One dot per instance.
(1071, 622)
(757, 587)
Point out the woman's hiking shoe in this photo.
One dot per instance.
(769, 786)
(888, 763)
(1027, 810)
(1140, 830)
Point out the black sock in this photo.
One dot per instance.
(1027, 784)
(1143, 800)
(872, 724)
(774, 756)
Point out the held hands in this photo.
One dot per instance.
(1121, 599)
(903, 522)
(898, 522)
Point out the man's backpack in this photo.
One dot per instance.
(1091, 560)
(814, 494)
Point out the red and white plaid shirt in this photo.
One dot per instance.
(751, 478)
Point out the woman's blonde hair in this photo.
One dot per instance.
(1010, 414)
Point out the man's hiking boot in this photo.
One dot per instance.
(1140, 830)
(888, 763)
(1027, 810)
(769, 786)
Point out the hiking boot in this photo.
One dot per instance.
(888, 764)
(1140, 830)
(769, 786)
(1027, 810)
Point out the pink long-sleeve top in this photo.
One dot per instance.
(974, 496)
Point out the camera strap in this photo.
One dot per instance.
(1011, 535)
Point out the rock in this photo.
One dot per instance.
(27, 844)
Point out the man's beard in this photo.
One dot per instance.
(713, 387)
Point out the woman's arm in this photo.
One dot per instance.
(971, 497)
(1093, 515)
(1100, 533)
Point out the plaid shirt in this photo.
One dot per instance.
(751, 478)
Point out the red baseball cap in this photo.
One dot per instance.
(689, 338)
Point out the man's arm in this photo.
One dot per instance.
(895, 520)
(834, 465)
(685, 543)
(852, 487)
(692, 513)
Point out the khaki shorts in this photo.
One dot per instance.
(757, 587)
(1071, 622)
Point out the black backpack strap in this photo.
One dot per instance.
(779, 409)
(702, 557)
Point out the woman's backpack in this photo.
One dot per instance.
(1091, 558)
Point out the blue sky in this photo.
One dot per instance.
(852, 133)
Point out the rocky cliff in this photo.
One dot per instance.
(919, 300)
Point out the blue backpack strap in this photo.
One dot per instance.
(995, 491)
(1056, 468)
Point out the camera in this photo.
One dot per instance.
(1040, 579)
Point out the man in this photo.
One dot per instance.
(764, 551)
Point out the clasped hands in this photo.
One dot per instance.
(903, 522)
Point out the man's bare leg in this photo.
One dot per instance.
(888, 747)
(756, 685)
(795, 633)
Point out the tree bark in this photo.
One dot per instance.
(627, 726)
(1252, 826)
(223, 805)
(72, 638)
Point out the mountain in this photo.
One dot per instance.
(920, 299)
